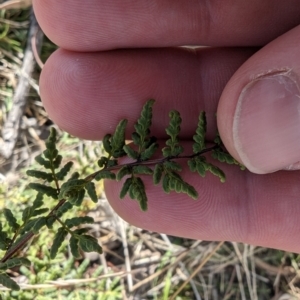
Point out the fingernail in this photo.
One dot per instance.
(266, 127)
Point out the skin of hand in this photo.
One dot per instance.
(114, 55)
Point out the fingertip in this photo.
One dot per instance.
(57, 89)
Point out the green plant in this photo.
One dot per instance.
(69, 193)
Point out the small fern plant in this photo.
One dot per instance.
(70, 190)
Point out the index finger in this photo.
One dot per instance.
(95, 25)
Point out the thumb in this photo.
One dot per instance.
(259, 110)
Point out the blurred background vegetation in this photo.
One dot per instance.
(136, 264)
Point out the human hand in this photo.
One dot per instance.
(86, 90)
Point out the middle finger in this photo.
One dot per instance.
(86, 94)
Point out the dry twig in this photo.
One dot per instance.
(10, 131)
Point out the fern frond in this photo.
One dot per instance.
(199, 137)
(173, 148)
